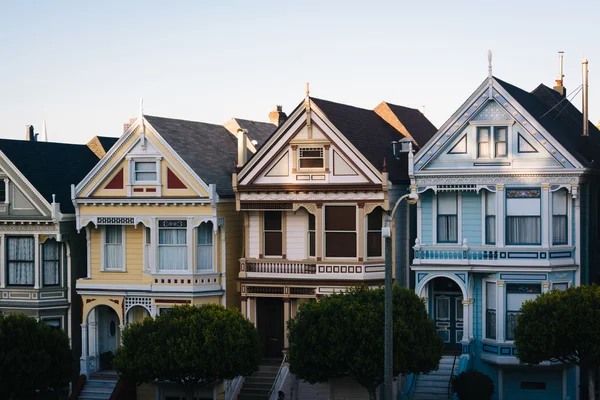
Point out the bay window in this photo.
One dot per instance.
(516, 295)
(490, 218)
(172, 245)
(340, 231)
(205, 246)
(447, 217)
(523, 224)
(113, 247)
(20, 260)
(374, 224)
(559, 217)
(490, 310)
(273, 233)
(51, 262)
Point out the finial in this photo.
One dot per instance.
(384, 164)
(307, 90)
(141, 106)
(489, 63)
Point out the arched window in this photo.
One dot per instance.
(205, 246)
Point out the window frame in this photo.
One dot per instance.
(103, 266)
(43, 262)
(309, 148)
(135, 171)
(485, 309)
(377, 231)
(438, 215)
(279, 231)
(486, 215)
(205, 245)
(565, 215)
(506, 310)
(493, 128)
(311, 236)
(552, 283)
(507, 216)
(355, 232)
(183, 227)
(8, 261)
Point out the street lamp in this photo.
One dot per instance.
(386, 232)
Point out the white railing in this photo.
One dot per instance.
(233, 388)
(281, 267)
(280, 378)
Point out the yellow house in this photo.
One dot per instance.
(161, 226)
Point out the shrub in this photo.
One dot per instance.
(473, 385)
(106, 360)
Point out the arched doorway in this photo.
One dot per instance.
(447, 311)
(103, 338)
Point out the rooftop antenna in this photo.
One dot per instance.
(584, 68)
(44, 132)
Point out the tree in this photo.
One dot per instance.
(342, 335)
(192, 346)
(34, 357)
(562, 326)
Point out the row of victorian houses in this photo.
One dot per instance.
(263, 216)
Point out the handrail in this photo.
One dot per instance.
(233, 387)
(451, 376)
(78, 387)
(278, 374)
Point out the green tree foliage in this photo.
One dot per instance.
(562, 326)
(473, 385)
(342, 335)
(192, 346)
(34, 357)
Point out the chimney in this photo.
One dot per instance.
(127, 125)
(242, 140)
(277, 116)
(584, 95)
(559, 82)
(29, 135)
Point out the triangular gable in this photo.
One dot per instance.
(22, 195)
(299, 133)
(491, 103)
(142, 142)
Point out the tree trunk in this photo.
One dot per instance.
(592, 382)
(189, 393)
(372, 393)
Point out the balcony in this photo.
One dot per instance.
(466, 255)
(311, 269)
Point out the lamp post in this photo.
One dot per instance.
(386, 232)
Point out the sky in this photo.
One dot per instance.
(82, 66)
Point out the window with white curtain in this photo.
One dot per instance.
(483, 142)
(492, 145)
(447, 218)
(516, 295)
(20, 260)
(147, 246)
(490, 310)
(172, 245)
(51, 262)
(490, 218)
(559, 217)
(523, 224)
(205, 246)
(113, 247)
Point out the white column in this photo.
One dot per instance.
(545, 202)
(36, 263)
(2, 261)
(244, 307)
(191, 246)
(93, 351)
(84, 350)
(286, 318)
(6, 191)
(500, 215)
(545, 286)
(500, 311)
(466, 318)
(88, 241)
(153, 245)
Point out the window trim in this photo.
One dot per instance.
(356, 233)
(59, 318)
(484, 298)
(7, 261)
(367, 231)
(492, 125)
(135, 172)
(282, 231)
(484, 199)
(552, 283)
(212, 246)
(458, 214)
(123, 252)
(310, 147)
(567, 216)
(505, 308)
(506, 215)
(308, 236)
(187, 246)
(60, 264)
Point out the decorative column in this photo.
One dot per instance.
(545, 286)
(361, 232)
(93, 350)
(83, 367)
(545, 200)
(252, 310)
(286, 318)
(2, 261)
(466, 318)
(244, 307)
(36, 262)
(500, 312)
(500, 215)
(6, 191)
(190, 246)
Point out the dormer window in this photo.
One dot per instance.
(310, 157)
(145, 171)
(492, 142)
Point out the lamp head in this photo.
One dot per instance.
(412, 198)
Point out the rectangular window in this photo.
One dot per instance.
(53, 322)
(51, 262)
(147, 246)
(20, 260)
(113, 247)
(483, 142)
(516, 295)
(490, 312)
(523, 223)
(490, 218)
(145, 171)
(447, 218)
(560, 286)
(374, 224)
(172, 246)
(340, 231)
(2, 191)
(312, 235)
(273, 233)
(205, 246)
(559, 217)
(310, 157)
(500, 141)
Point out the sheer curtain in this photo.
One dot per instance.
(559, 217)
(205, 246)
(172, 249)
(51, 262)
(447, 220)
(523, 222)
(113, 248)
(20, 260)
(490, 218)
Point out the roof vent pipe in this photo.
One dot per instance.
(584, 68)
(242, 142)
(559, 81)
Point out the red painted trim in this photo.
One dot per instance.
(117, 182)
(173, 182)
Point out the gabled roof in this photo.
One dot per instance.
(51, 167)
(561, 119)
(372, 136)
(208, 149)
(259, 131)
(419, 127)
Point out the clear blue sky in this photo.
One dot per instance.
(83, 65)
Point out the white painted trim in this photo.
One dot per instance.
(459, 214)
(223, 262)
(103, 249)
(36, 261)
(545, 213)
(434, 219)
(578, 242)
(500, 311)
(3, 261)
(500, 218)
(88, 241)
(419, 221)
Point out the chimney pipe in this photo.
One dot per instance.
(584, 67)
(277, 116)
(242, 138)
(29, 135)
(559, 82)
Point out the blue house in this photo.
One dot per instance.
(508, 210)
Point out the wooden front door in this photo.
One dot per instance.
(448, 315)
(270, 325)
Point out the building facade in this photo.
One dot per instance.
(508, 204)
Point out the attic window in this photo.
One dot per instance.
(145, 171)
(310, 157)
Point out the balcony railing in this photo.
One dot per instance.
(310, 269)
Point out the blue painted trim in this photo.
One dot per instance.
(490, 349)
(560, 254)
(524, 277)
(505, 351)
(462, 277)
(523, 254)
(421, 276)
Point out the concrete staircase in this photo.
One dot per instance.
(258, 385)
(434, 386)
(99, 386)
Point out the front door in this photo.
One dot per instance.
(270, 325)
(448, 314)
